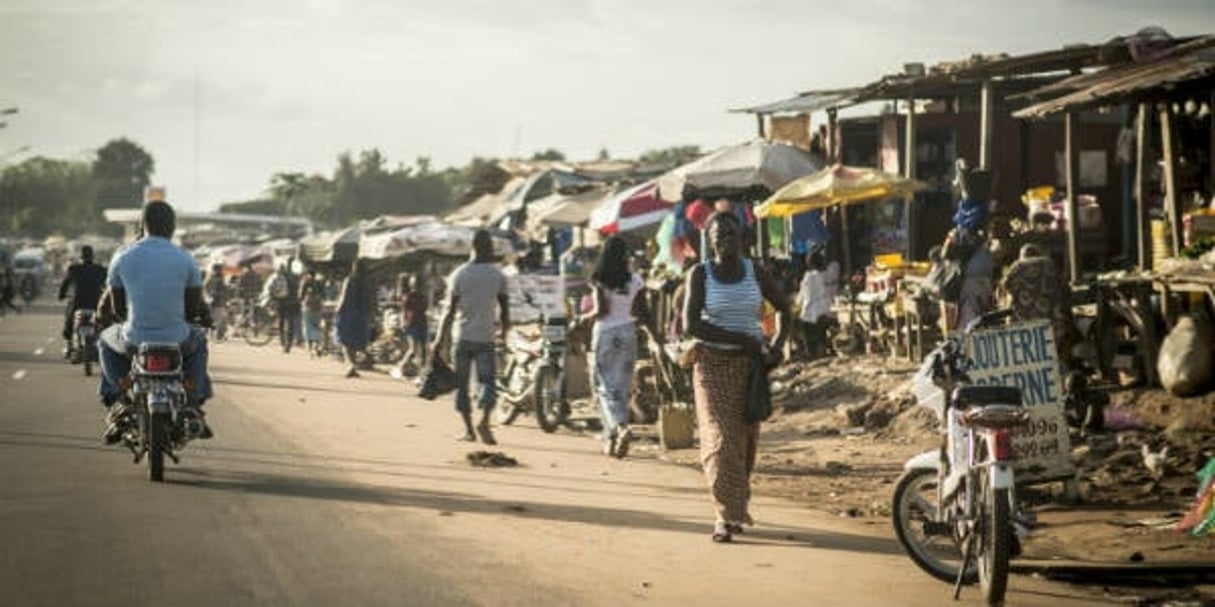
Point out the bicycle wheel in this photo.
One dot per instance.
(995, 540)
(259, 328)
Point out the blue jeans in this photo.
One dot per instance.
(116, 363)
(468, 352)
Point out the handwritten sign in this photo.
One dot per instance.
(535, 295)
(1025, 356)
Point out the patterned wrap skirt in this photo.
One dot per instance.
(727, 441)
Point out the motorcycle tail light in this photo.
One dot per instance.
(158, 363)
(1004, 444)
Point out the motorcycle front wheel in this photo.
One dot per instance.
(915, 504)
(550, 406)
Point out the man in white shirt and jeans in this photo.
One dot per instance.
(473, 291)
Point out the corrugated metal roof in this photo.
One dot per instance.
(1192, 63)
(812, 101)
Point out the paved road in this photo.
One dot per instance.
(319, 490)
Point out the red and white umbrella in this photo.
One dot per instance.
(631, 209)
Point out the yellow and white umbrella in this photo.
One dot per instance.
(836, 185)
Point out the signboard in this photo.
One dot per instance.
(535, 295)
(1024, 355)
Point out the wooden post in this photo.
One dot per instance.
(831, 147)
(1143, 245)
(1170, 176)
(909, 155)
(1211, 156)
(986, 118)
(759, 123)
(846, 241)
(1071, 151)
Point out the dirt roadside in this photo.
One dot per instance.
(843, 428)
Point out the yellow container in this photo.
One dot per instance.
(1160, 243)
(889, 260)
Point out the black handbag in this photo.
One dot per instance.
(759, 392)
(944, 280)
(438, 380)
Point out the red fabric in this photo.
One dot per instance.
(698, 212)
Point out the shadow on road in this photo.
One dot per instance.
(361, 389)
(450, 503)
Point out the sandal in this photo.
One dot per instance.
(721, 533)
(622, 443)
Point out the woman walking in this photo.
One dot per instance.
(312, 296)
(725, 298)
(354, 314)
(614, 341)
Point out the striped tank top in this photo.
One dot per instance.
(733, 306)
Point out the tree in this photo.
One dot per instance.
(604, 154)
(549, 154)
(42, 196)
(264, 206)
(672, 156)
(121, 171)
(286, 188)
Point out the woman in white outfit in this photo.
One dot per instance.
(614, 341)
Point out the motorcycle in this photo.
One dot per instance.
(161, 421)
(533, 375)
(84, 339)
(954, 506)
(29, 288)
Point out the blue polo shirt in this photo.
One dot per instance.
(155, 274)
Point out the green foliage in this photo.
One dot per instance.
(263, 206)
(672, 156)
(122, 170)
(42, 196)
(363, 189)
(549, 154)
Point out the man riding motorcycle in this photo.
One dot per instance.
(157, 288)
(86, 281)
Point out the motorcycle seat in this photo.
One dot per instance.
(981, 396)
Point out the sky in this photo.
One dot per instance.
(226, 93)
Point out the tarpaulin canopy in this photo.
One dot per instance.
(762, 164)
(835, 185)
(341, 246)
(435, 238)
(631, 209)
(571, 211)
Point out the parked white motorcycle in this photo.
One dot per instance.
(953, 507)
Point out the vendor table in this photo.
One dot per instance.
(1130, 298)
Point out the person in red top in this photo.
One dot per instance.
(412, 299)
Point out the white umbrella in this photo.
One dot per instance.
(738, 167)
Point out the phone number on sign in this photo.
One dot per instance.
(1034, 428)
(1035, 448)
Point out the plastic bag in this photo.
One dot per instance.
(944, 280)
(1186, 364)
(759, 392)
(438, 380)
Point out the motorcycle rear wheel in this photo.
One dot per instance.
(915, 498)
(994, 541)
(550, 411)
(158, 439)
